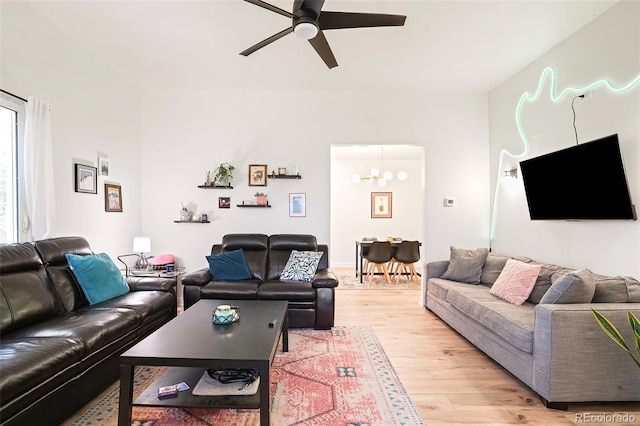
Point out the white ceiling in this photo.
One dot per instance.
(464, 46)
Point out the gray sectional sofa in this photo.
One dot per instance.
(557, 349)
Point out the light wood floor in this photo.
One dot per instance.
(448, 379)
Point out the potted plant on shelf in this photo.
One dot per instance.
(261, 198)
(185, 214)
(224, 174)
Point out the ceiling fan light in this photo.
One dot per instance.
(374, 172)
(382, 182)
(355, 178)
(306, 30)
(387, 175)
(402, 175)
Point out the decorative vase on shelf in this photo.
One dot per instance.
(186, 215)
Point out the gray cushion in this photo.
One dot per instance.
(514, 323)
(543, 283)
(492, 268)
(617, 290)
(574, 287)
(465, 265)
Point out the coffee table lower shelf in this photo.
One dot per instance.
(191, 375)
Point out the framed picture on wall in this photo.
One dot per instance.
(381, 204)
(112, 198)
(257, 175)
(224, 202)
(103, 166)
(297, 205)
(86, 179)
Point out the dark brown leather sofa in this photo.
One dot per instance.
(311, 304)
(56, 351)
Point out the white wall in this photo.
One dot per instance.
(93, 112)
(187, 133)
(607, 48)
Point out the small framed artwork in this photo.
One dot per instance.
(381, 204)
(257, 175)
(103, 166)
(224, 202)
(297, 205)
(86, 179)
(112, 198)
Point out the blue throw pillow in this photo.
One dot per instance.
(229, 266)
(98, 277)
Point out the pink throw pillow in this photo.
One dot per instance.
(516, 281)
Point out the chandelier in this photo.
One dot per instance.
(378, 176)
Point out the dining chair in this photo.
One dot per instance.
(407, 253)
(378, 257)
(365, 251)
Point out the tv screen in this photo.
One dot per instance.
(586, 181)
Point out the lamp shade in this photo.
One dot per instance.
(141, 244)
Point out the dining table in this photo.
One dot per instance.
(362, 245)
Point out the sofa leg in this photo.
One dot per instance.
(564, 406)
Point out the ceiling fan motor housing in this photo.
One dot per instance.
(305, 26)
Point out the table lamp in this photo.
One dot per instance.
(142, 245)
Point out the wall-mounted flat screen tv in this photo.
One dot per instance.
(585, 182)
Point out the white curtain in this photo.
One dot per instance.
(38, 171)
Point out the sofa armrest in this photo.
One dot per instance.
(574, 360)
(151, 283)
(436, 269)
(325, 278)
(201, 277)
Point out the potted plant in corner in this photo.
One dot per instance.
(224, 174)
(261, 198)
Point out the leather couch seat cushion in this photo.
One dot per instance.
(515, 323)
(96, 328)
(228, 290)
(287, 290)
(26, 362)
(146, 304)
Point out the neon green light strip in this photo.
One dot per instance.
(547, 73)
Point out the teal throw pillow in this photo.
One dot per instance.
(301, 266)
(99, 278)
(229, 266)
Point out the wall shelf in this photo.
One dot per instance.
(191, 221)
(215, 186)
(253, 205)
(274, 176)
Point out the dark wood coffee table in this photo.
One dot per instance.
(190, 343)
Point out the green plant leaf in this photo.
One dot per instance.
(635, 326)
(611, 330)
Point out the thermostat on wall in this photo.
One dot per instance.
(449, 202)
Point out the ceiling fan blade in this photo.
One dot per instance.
(319, 42)
(314, 5)
(270, 7)
(266, 41)
(338, 20)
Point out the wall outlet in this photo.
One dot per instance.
(449, 202)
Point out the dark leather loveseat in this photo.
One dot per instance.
(56, 351)
(311, 304)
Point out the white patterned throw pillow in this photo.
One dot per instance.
(301, 265)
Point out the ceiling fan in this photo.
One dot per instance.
(309, 21)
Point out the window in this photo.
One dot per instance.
(12, 115)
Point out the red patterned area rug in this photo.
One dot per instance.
(334, 377)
